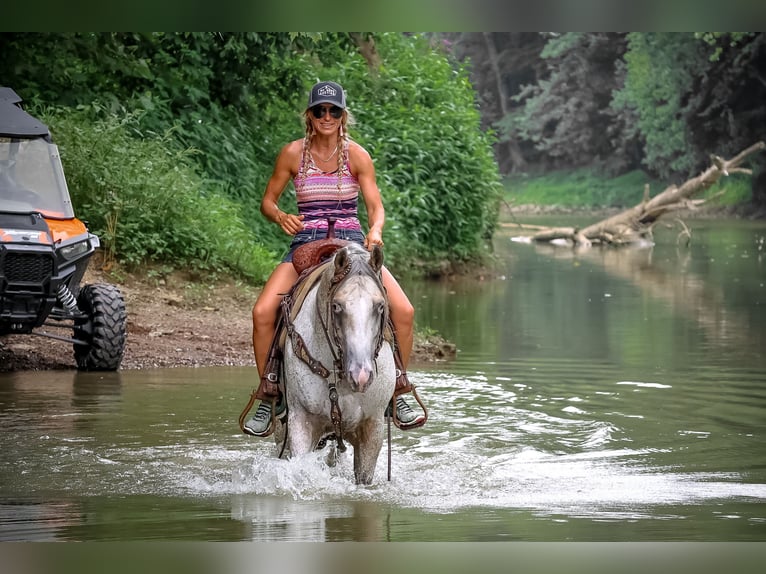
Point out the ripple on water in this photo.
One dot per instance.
(489, 443)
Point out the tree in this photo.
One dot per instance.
(652, 101)
(499, 63)
(565, 113)
(690, 93)
(635, 224)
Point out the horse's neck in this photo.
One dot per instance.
(308, 323)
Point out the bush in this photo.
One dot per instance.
(236, 99)
(146, 202)
(418, 118)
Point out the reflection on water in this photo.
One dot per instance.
(595, 396)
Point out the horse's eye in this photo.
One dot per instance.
(337, 308)
(380, 307)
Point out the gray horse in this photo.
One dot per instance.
(339, 374)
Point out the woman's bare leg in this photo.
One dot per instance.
(402, 315)
(265, 311)
(264, 317)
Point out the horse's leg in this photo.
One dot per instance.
(333, 456)
(279, 440)
(367, 444)
(300, 435)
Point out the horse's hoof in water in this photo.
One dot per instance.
(332, 457)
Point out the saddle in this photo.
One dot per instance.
(310, 261)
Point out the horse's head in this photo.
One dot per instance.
(359, 311)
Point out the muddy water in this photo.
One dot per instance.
(595, 397)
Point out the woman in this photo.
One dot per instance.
(328, 170)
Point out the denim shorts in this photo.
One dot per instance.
(309, 235)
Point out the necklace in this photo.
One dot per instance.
(329, 157)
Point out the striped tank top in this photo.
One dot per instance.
(319, 198)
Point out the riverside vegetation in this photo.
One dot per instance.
(168, 139)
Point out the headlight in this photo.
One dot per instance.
(69, 252)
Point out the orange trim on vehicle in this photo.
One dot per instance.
(46, 213)
(63, 229)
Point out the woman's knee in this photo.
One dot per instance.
(267, 305)
(402, 312)
(264, 315)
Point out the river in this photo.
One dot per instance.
(596, 396)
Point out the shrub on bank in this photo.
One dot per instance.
(146, 202)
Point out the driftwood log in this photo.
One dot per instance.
(635, 224)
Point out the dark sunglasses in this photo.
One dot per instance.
(319, 111)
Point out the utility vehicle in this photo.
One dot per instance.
(45, 249)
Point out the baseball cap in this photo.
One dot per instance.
(327, 93)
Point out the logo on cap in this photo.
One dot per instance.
(326, 90)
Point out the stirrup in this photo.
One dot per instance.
(265, 414)
(411, 420)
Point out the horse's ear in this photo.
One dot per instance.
(341, 259)
(376, 258)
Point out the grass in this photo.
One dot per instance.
(585, 189)
(737, 189)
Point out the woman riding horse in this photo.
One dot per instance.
(328, 170)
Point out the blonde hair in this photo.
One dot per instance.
(346, 119)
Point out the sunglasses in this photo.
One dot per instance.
(319, 111)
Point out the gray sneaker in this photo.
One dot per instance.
(404, 412)
(259, 423)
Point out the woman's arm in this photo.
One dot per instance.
(364, 169)
(285, 169)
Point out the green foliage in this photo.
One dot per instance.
(580, 188)
(232, 97)
(146, 202)
(733, 190)
(662, 102)
(660, 72)
(417, 117)
(235, 99)
(719, 40)
(563, 114)
(692, 95)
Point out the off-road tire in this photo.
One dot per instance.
(104, 328)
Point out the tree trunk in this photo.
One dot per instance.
(511, 147)
(366, 45)
(635, 224)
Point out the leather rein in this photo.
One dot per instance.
(330, 330)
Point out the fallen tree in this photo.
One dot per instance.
(635, 224)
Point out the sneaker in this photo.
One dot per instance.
(404, 413)
(259, 423)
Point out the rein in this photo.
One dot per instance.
(330, 330)
(335, 415)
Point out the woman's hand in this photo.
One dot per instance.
(374, 237)
(290, 224)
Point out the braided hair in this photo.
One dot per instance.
(346, 120)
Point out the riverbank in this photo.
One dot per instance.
(175, 321)
(509, 211)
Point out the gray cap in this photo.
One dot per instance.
(327, 93)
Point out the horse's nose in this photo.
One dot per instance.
(361, 378)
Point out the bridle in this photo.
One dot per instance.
(331, 331)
